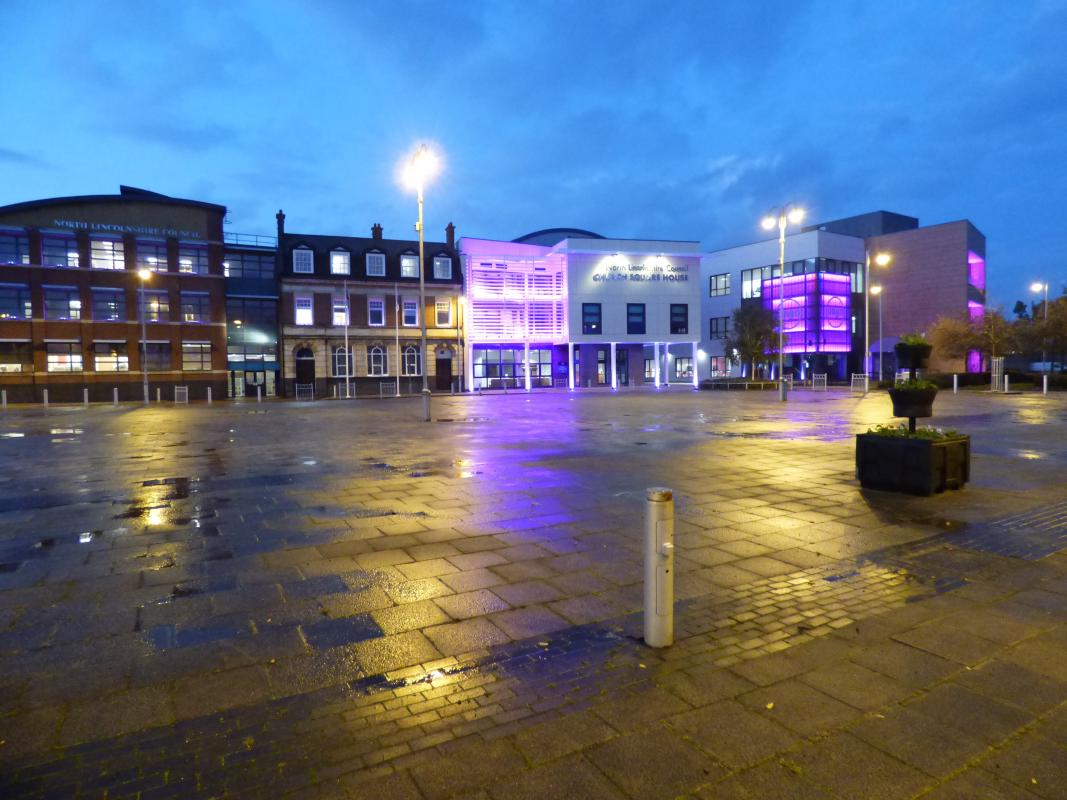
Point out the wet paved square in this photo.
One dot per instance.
(337, 600)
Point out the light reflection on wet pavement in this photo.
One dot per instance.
(183, 564)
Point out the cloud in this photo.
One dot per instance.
(19, 157)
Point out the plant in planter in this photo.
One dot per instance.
(913, 398)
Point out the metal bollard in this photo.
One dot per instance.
(659, 567)
(259, 395)
(85, 396)
(3, 398)
(45, 393)
(209, 395)
(425, 405)
(1006, 384)
(159, 394)
(1044, 383)
(955, 384)
(115, 396)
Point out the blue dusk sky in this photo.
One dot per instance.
(664, 120)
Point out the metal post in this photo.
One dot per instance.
(881, 339)
(782, 391)
(3, 398)
(259, 394)
(348, 350)
(144, 341)
(45, 396)
(659, 567)
(209, 395)
(146, 395)
(1007, 384)
(115, 396)
(866, 319)
(422, 315)
(159, 394)
(1044, 383)
(85, 396)
(955, 384)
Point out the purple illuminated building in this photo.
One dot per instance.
(816, 315)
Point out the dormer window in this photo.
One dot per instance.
(409, 266)
(375, 265)
(304, 260)
(442, 268)
(340, 262)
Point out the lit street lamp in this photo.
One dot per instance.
(420, 169)
(1037, 286)
(882, 260)
(781, 217)
(877, 291)
(144, 275)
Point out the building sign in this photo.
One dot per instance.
(816, 314)
(109, 227)
(658, 270)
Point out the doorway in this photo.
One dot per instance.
(443, 369)
(305, 366)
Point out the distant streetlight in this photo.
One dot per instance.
(882, 260)
(877, 292)
(1037, 286)
(420, 169)
(145, 275)
(781, 217)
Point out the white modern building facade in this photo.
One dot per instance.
(570, 309)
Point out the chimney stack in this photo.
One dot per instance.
(376, 231)
(450, 235)
(280, 216)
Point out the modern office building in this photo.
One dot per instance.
(73, 302)
(569, 308)
(934, 271)
(250, 268)
(350, 313)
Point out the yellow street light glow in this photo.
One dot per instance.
(768, 223)
(876, 290)
(421, 167)
(796, 215)
(882, 259)
(237, 322)
(1037, 287)
(144, 274)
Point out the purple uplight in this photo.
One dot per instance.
(816, 311)
(975, 311)
(976, 270)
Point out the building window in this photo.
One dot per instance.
(16, 357)
(60, 251)
(342, 363)
(109, 305)
(108, 254)
(303, 261)
(192, 259)
(196, 357)
(411, 313)
(718, 366)
(253, 313)
(442, 268)
(64, 357)
(340, 262)
(14, 248)
(409, 266)
(15, 302)
(601, 365)
(635, 318)
(157, 356)
(720, 327)
(683, 367)
(248, 265)
(591, 318)
(719, 285)
(376, 311)
(375, 265)
(305, 314)
(156, 306)
(196, 307)
(110, 357)
(152, 255)
(752, 281)
(377, 361)
(340, 312)
(679, 318)
(443, 309)
(62, 303)
(650, 369)
(411, 361)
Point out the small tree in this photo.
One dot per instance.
(752, 335)
(994, 335)
(952, 337)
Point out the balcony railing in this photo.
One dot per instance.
(250, 240)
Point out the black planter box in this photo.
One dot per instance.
(913, 466)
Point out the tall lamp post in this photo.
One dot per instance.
(882, 260)
(145, 275)
(877, 291)
(781, 217)
(1042, 287)
(420, 169)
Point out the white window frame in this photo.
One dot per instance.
(437, 313)
(337, 357)
(409, 266)
(340, 307)
(371, 302)
(378, 259)
(377, 361)
(405, 304)
(442, 274)
(304, 261)
(339, 265)
(298, 306)
(410, 361)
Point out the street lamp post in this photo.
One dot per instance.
(882, 260)
(144, 275)
(781, 217)
(1042, 287)
(422, 167)
(877, 291)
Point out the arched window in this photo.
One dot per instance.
(377, 360)
(342, 365)
(411, 361)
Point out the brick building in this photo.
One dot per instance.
(72, 297)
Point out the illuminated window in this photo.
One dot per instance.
(411, 362)
(108, 254)
(303, 261)
(683, 367)
(109, 305)
(248, 265)
(156, 306)
(375, 265)
(152, 255)
(340, 312)
(409, 266)
(196, 307)
(342, 365)
(720, 327)
(196, 356)
(411, 313)
(14, 248)
(60, 251)
(15, 302)
(110, 357)
(377, 361)
(719, 285)
(376, 311)
(443, 309)
(16, 357)
(679, 318)
(340, 262)
(64, 357)
(193, 259)
(62, 303)
(305, 314)
(591, 318)
(442, 268)
(635, 318)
